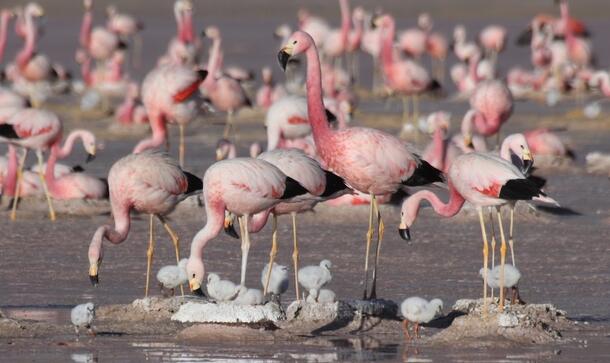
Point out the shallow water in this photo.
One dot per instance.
(564, 259)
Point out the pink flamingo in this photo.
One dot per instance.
(483, 180)
(493, 40)
(441, 152)
(336, 42)
(166, 93)
(29, 184)
(269, 91)
(371, 44)
(601, 80)
(131, 111)
(286, 119)
(5, 17)
(126, 26)
(579, 50)
(225, 149)
(181, 49)
(41, 130)
(413, 40)
(226, 94)
(99, 42)
(317, 27)
(151, 183)
(320, 184)
(10, 103)
(403, 77)
(354, 41)
(491, 105)
(369, 160)
(461, 46)
(243, 187)
(544, 142)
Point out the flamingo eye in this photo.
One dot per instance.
(522, 147)
(193, 275)
(294, 42)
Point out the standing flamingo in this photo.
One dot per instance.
(483, 180)
(491, 105)
(320, 184)
(269, 91)
(243, 187)
(493, 40)
(149, 182)
(336, 42)
(182, 49)
(579, 50)
(126, 26)
(369, 160)
(226, 94)
(405, 77)
(166, 94)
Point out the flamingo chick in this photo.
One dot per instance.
(313, 278)
(511, 279)
(325, 296)
(82, 317)
(247, 296)
(278, 280)
(417, 310)
(172, 276)
(221, 290)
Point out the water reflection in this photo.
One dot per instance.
(84, 357)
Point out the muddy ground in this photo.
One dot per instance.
(564, 259)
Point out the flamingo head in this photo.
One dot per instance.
(212, 32)
(223, 149)
(34, 9)
(298, 43)
(382, 21)
(229, 225)
(424, 22)
(438, 120)
(95, 254)
(408, 213)
(358, 14)
(90, 145)
(195, 272)
(516, 150)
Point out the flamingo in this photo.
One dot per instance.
(181, 49)
(125, 26)
(336, 42)
(10, 103)
(579, 50)
(317, 27)
(484, 180)
(544, 142)
(286, 119)
(601, 80)
(243, 187)
(404, 77)
(149, 182)
(491, 105)
(354, 41)
(226, 94)
(441, 152)
(319, 183)
(461, 46)
(493, 40)
(99, 42)
(369, 160)
(413, 40)
(166, 94)
(269, 91)
(41, 130)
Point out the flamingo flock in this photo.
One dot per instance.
(320, 149)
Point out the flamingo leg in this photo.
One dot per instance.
(272, 255)
(228, 125)
(369, 237)
(485, 258)
(181, 147)
(295, 252)
(405, 110)
(149, 251)
(417, 330)
(415, 116)
(405, 329)
(18, 187)
(175, 241)
(380, 231)
(502, 260)
(245, 248)
(510, 233)
(44, 186)
(493, 246)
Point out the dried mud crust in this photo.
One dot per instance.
(517, 324)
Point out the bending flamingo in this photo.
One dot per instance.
(369, 160)
(244, 187)
(151, 183)
(166, 94)
(483, 180)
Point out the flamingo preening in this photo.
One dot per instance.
(369, 160)
(148, 182)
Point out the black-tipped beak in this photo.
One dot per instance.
(198, 292)
(404, 233)
(527, 166)
(94, 280)
(330, 116)
(283, 58)
(90, 157)
(230, 230)
(202, 74)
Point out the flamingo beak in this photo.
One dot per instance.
(284, 56)
(228, 226)
(219, 155)
(528, 161)
(468, 141)
(404, 232)
(93, 277)
(195, 287)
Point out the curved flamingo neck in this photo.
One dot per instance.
(4, 19)
(49, 174)
(115, 235)
(68, 145)
(439, 148)
(449, 209)
(159, 133)
(10, 180)
(386, 47)
(126, 109)
(26, 53)
(214, 212)
(85, 29)
(179, 23)
(484, 126)
(213, 63)
(187, 27)
(315, 106)
(345, 23)
(258, 221)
